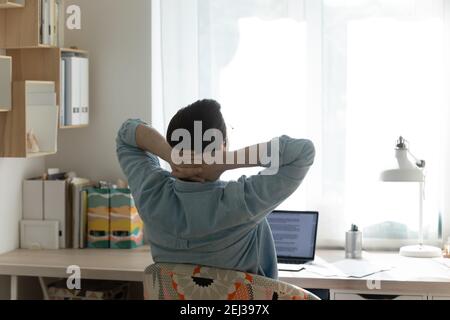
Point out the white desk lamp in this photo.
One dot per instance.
(409, 172)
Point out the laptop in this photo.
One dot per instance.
(295, 234)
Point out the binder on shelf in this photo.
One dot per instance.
(73, 102)
(126, 226)
(50, 22)
(77, 186)
(62, 95)
(83, 218)
(98, 218)
(84, 78)
(45, 11)
(76, 90)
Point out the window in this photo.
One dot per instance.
(350, 75)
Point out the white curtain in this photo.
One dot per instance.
(350, 75)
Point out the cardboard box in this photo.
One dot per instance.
(126, 226)
(98, 218)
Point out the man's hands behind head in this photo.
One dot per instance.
(203, 172)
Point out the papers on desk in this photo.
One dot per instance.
(360, 268)
(320, 267)
(443, 261)
(348, 268)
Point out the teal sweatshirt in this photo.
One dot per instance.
(217, 224)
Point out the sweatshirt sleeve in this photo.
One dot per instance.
(259, 195)
(141, 168)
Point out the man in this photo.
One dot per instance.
(190, 215)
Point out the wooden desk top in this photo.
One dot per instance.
(101, 264)
(409, 275)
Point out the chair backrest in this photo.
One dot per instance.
(189, 282)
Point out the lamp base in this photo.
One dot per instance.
(421, 251)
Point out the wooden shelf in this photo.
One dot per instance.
(31, 62)
(42, 120)
(21, 28)
(6, 4)
(74, 127)
(41, 64)
(73, 50)
(39, 154)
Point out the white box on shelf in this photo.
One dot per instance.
(56, 208)
(39, 235)
(33, 199)
(5, 83)
(42, 115)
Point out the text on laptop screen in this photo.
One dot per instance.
(294, 233)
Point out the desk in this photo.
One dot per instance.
(410, 276)
(99, 264)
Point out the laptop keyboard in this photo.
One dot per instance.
(292, 261)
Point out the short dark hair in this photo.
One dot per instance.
(207, 111)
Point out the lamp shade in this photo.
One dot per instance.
(405, 172)
(402, 175)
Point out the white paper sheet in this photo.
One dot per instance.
(359, 268)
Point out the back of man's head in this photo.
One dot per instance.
(207, 112)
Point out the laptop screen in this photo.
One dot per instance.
(294, 233)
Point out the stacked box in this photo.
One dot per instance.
(126, 227)
(98, 218)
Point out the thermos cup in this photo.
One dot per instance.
(353, 243)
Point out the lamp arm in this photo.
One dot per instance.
(419, 163)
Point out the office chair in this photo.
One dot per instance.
(189, 282)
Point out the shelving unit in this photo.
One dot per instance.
(20, 36)
(41, 64)
(22, 26)
(24, 118)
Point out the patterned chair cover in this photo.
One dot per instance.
(189, 282)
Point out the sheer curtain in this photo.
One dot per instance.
(350, 75)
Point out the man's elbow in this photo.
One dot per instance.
(308, 153)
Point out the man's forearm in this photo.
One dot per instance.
(152, 141)
(248, 157)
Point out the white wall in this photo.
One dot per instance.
(117, 35)
(12, 173)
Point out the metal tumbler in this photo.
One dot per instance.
(353, 244)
